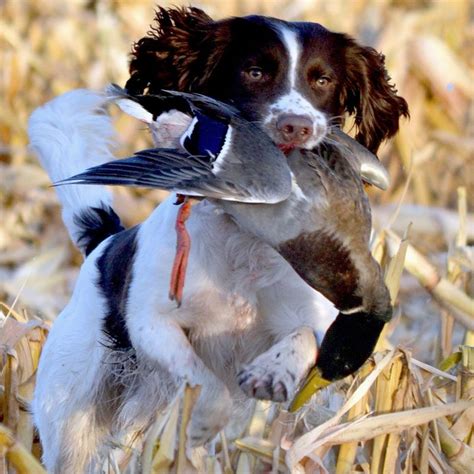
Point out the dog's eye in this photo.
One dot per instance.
(323, 81)
(254, 73)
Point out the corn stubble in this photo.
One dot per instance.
(405, 410)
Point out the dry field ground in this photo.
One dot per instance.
(410, 408)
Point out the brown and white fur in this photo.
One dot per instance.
(120, 349)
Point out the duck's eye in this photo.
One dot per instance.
(323, 81)
(254, 73)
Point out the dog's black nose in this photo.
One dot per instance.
(295, 129)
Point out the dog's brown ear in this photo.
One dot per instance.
(180, 52)
(370, 96)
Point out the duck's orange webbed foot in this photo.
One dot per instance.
(183, 246)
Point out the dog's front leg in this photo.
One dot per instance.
(295, 316)
(165, 343)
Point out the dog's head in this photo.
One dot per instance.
(295, 79)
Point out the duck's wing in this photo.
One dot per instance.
(234, 155)
(368, 165)
(148, 107)
(180, 172)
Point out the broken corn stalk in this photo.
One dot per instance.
(17, 455)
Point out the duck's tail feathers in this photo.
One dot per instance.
(70, 134)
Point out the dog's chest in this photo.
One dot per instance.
(226, 334)
(210, 313)
(227, 268)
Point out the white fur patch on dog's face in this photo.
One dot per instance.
(292, 101)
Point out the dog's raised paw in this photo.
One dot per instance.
(275, 374)
(259, 382)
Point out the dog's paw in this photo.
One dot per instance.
(266, 384)
(275, 374)
(210, 415)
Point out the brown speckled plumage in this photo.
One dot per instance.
(334, 256)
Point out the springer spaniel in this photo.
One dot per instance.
(120, 349)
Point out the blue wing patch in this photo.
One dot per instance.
(205, 136)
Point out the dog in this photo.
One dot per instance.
(120, 349)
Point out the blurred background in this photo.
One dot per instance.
(48, 47)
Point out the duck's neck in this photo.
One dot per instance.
(326, 265)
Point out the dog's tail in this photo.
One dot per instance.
(69, 134)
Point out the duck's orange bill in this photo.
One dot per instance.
(314, 382)
(183, 246)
